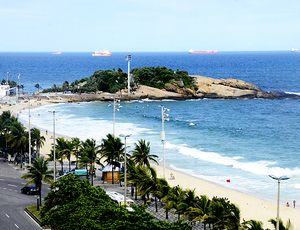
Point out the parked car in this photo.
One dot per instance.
(30, 190)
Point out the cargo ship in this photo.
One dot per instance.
(203, 52)
(100, 53)
(57, 53)
(295, 50)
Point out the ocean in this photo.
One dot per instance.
(218, 140)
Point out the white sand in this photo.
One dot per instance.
(251, 207)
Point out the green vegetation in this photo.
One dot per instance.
(37, 173)
(75, 204)
(34, 211)
(14, 138)
(72, 200)
(113, 81)
(158, 77)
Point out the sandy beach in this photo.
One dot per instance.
(250, 207)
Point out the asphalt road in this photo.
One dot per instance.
(13, 202)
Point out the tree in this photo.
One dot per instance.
(37, 139)
(149, 183)
(223, 214)
(252, 225)
(189, 199)
(111, 150)
(76, 142)
(173, 198)
(288, 225)
(18, 138)
(38, 87)
(68, 151)
(89, 151)
(200, 211)
(141, 153)
(38, 173)
(75, 204)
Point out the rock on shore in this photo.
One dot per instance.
(206, 88)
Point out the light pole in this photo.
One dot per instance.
(29, 134)
(164, 116)
(125, 168)
(54, 163)
(116, 108)
(18, 88)
(278, 195)
(128, 58)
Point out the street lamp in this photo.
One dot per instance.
(128, 58)
(278, 179)
(116, 108)
(164, 116)
(29, 134)
(18, 88)
(54, 163)
(125, 168)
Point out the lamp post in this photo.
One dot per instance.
(19, 87)
(164, 116)
(128, 58)
(278, 195)
(116, 108)
(125, 168)
(29, 134)
(54, 163)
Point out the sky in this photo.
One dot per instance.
(148, 26)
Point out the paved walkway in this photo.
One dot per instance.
(160, 215)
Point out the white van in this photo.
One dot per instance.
(119, 199)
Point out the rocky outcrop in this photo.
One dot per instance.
(205, 88)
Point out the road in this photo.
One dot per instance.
(12, 202)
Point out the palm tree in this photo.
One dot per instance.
(141, 153)
(38, 87)
(281, 226)
(223, 214)
(189, 199)
(149, 183)
(90, 154)
(111, 150)
(253, 225)
(173, 198)
(37, 139)
(18, 138)
(59, 147)
(76, 143)
(68, 151)
(38, 173)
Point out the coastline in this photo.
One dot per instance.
(251, 207)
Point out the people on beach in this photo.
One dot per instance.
(287, 204)
(294, 203)
(172, 177)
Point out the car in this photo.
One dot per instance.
(30, 190)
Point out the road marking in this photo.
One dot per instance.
(33, 220)
(16, 226)
(2, 179)
(12, 185)
(4, 188)
(7, 215)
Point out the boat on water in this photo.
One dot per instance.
(203, 52)
(101, 53)
(57, 53)
(295, 50)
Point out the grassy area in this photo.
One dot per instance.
(33, 210)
